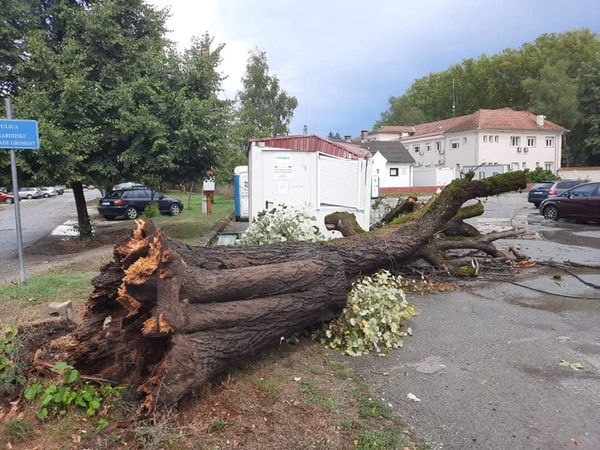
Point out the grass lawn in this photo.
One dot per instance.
(50, 287)
(192, 224)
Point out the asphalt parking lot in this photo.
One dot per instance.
(484, 361)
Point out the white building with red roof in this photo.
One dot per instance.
(512, 140)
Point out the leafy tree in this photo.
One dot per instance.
(92, 78)
(334, 136)
(554, 94)
(401, 112)
(495, 81)
(200, 118)
(115, 102)
(586, 135)
(264, 108)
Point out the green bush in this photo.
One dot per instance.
(280, 224)
(151, 210)
(72, 392)
(372, 318)
(538, 175)
(12, 363)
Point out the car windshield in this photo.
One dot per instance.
(542, 185)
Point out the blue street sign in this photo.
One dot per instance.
(19, 134)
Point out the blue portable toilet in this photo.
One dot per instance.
(240, 186)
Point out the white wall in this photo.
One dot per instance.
(502, 152)
(381, 167)
(429, 155)
(432, 176)
(474, 151)
(465, 154)
(580, 173)
(279, 176)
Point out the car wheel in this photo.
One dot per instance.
(9, 200)
(109, 217)
(131, 213)
(46, 195)
(174, 209)
(550, 212)
(29, 197)
(537, 205)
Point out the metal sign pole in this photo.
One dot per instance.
(17, 198)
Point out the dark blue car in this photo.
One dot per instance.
(131, 203)
(539, 192)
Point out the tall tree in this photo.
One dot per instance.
(200, 119)
(495, 81)
(401, 112)
(586, 135)
(264, 108)
(554, 94)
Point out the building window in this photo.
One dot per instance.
(524, 165)
(530, 141)
(515, 141)
(548, 166)
(417, 148)
(549, 141)
(481, 175)
(485, 138)
(438, 146)
(496, 139)
(393, 172)
(514, 165)
(454, 144)
(428, 147)
(537, 164)
(465, 140)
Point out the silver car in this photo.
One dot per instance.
(29, 193)
(48, 192)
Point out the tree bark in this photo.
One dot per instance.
(406, 206)
(165, 318)
(83, 219)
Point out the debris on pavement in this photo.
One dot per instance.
(413, 397)
(577, 366)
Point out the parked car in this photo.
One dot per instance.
(48, 191)
(131, 203)
(7, 197)
(563, 185)
(580, 202)
(60, 190)
(29, 193)
(539, 192)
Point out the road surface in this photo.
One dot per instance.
(485, 360)
(38, 218)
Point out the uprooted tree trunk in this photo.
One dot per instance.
(164, 318)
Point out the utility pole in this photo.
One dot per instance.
(453, 98)
(17, 198)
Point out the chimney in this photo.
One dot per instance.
(348, 138)
(539, 119)
(364, 134)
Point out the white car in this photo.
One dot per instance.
(48, 191)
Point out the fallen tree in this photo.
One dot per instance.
(164, 317)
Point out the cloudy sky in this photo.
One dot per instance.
(343, 59)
